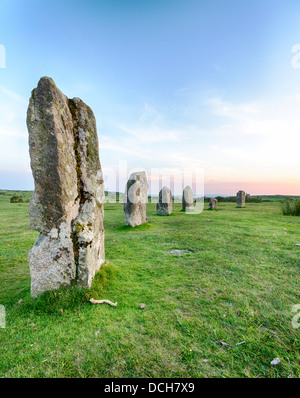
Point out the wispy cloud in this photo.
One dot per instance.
(15, 96)
(108, 143)
(152, 134)
(13, 132)
(151, 127)
(220, 107)
(257, 141)
(260, 118)
(232, 141)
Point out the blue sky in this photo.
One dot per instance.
(173, 84)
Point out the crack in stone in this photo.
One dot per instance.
(81, 197)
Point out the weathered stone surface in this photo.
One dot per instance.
(241, 199)
(67, 204)
(53, 164)
(165, 202)
(87, 228)
(187, 199)
(135, 199)
(212, 203)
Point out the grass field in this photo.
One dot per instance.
(237, 286)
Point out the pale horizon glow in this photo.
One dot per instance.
(221, 97)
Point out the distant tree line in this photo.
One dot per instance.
(249, 199)
(16, 199)
(19, 199)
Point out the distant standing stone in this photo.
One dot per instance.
(67, 204)
(212, 203)
(241, 199)
(135, 199)
(187, 199)
(165, 202)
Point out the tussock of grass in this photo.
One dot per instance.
(238, 285)
(127, 228)
(291, 207)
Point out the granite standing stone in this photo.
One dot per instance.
(240, 199)
(67, 205)
(212, 203)
(135, 199)
(165, 202)
(187, 199)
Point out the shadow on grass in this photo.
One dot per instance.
(164, 215)
(127, 228)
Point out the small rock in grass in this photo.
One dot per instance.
(142, 306)
(20, 301)
(177, 252)
(275, 361)
(224, 343)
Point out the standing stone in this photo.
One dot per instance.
(187, 199)
(165, 202)
(67, 204)
(135, 199)
(240, 199)
(212, 203)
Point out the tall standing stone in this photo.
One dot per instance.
(187, 199)
(165, 202)
(212, 203)
(135, 199)
(67, 205)
(241, 199)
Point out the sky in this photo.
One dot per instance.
(178, 87)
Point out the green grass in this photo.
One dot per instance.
(291, 207)
(239, 284)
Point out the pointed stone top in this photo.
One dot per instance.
(46, 79)
(47, 93)
(136, 174)
(46, 82)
